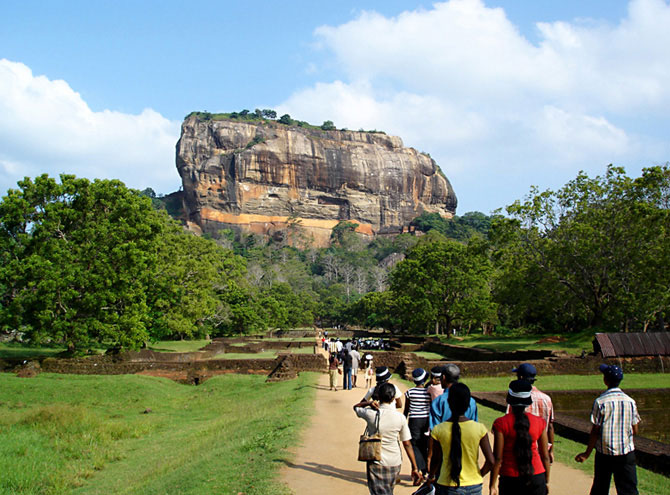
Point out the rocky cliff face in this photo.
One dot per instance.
(261, 176)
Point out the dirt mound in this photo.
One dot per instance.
(553, 339)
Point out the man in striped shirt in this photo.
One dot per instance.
(615, 419)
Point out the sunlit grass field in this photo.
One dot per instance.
(573, 343)
(134, 434)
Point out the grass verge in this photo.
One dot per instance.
(88, 434)
(178, 345)
(573, 343)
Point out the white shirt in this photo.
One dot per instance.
(393, 428)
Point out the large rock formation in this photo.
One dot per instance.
(261, 176)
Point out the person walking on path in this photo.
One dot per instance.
(333, 370)
(439, 408)
(347, 370)
(384, 375)
(382, 475)
(355, 363)
(541, 406)
(435, 388)
(457, 443)
(369, 371)
(615, 421)
(417, 412)
(520, 447)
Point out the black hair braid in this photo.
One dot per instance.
(459, 401)
(523, 444)
(456, 452)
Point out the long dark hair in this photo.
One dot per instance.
(523, 444)
(459, 400)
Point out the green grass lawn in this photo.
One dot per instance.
(565, 451)
(88, 434)
(574, 343)
(178, 345)
(431, 356)
(16, 350)
(269, 354)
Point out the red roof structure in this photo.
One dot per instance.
(632, 344)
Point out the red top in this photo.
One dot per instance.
(505, 425)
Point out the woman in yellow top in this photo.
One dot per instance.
(454, 449)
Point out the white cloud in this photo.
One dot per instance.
(460, 81)
(46, 127)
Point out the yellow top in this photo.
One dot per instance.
(471, 433)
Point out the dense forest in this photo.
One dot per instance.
(86, 263)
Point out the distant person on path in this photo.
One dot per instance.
(541, 406)
(457, 443)
(382, 475)
(355, 363)
(615, 421)
(369, 371)
(439, 408)
(520, 447)
(384, 375)
(338, 345)
(349, 345)
(333, 369)
(417, 412)
(435, 388)
(347, 370)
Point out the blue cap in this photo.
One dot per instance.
(611, 371)
(419, 375)
(526, 369)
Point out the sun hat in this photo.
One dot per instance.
(368, 356)
(419, 375)
(451, 373)
(436, 371)
(611, 371)
(518, 393)
(383, 374)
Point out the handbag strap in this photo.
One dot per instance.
(367, 427)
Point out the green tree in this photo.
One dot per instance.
(286, 119)
(443, 284)
(77, 257)
(328, 125)
(603, 241)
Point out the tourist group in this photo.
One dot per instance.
(442, 437)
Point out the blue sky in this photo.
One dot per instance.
(503, 94)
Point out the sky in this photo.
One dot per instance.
(504, 95)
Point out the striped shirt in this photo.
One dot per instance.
(541, 407)
(615, 413)
(418, 399)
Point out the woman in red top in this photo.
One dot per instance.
(520, 447)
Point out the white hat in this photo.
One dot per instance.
(368, 356)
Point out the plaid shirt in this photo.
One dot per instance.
(541, 406)
(615, 413)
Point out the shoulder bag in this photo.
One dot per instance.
(370, 446)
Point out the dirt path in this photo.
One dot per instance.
(325, 461)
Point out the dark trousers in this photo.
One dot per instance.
(623, 469)
(347, 379)
(536, 485)
(418, 427)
